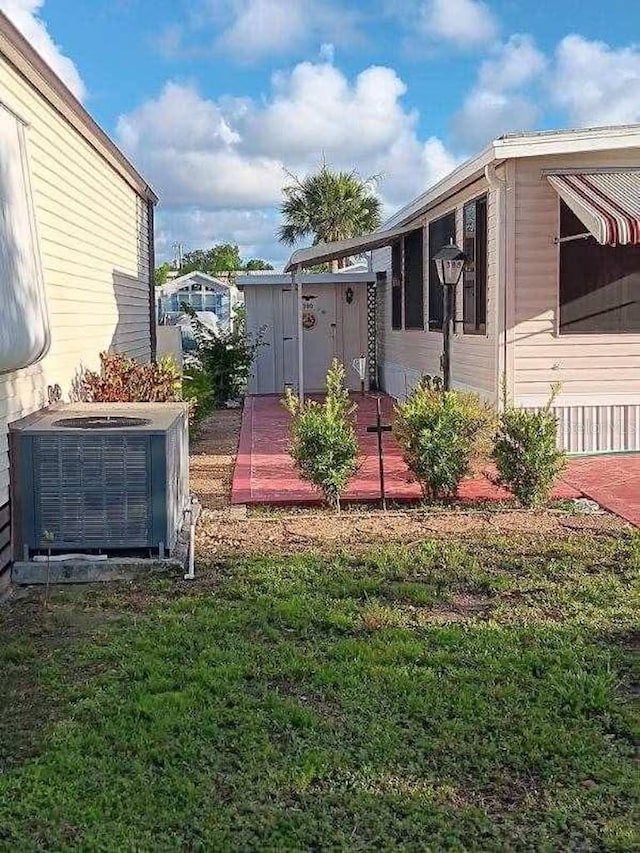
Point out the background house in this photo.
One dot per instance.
(550, 222)
(212, 298)
(76, 246)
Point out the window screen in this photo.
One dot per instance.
(441, 231)
(474, 301)
(599, 285)
(396, 285)
(413, 281)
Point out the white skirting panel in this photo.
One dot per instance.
(398, 381)
(598, 429)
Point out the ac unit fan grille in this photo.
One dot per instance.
(92, 491)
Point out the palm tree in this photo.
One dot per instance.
(327, 206)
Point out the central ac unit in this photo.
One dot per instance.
(100, 477)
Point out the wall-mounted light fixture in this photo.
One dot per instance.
(348, 295)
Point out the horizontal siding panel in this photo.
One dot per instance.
(590, 364)
(92, 229)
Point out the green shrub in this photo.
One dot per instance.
(323, 439)
(220, 367)
(196, 387)
(441, 433)
(526, 453)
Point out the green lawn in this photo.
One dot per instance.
(474, 696)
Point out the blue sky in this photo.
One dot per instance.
(214, 100)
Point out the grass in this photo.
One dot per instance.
(459, 695)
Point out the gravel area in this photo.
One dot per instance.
(213, 453)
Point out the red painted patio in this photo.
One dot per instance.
(264, 472)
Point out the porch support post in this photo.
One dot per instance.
(446, 337)
(297, 279)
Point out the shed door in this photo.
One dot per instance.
(319, 322)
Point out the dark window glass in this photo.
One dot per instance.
(413, 281)
(599, 285)
(396, 285)
(474, 281)
(441, 232)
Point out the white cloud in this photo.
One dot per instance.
(513, 64)
(465, 23)
(195, 227)
(26, 16)
(499, 101)
(191, 153)
(595, 83)
(315, 108)
(253, 29)
(210, 157)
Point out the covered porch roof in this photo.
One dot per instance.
(323, 252)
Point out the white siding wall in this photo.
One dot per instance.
(404, 356)
(594, 369)
(93, 232)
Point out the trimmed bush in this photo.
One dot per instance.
(324, 446)
(441, 434)
(526, 453)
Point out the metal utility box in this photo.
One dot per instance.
(99, 477)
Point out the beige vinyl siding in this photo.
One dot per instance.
(94, 246)
(406, 354)
(592, 369)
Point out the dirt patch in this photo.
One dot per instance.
(213, 454)
(462, 608)
(219, 535)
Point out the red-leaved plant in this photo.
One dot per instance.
(123, 380)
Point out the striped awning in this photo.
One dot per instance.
(607, 202)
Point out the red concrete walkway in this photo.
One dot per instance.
(613, 481)
(264, 472)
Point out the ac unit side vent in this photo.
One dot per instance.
(92, 488)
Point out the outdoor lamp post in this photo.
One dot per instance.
(449, 265)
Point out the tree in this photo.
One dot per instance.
(225, 257)
(257, 264)
(161, 273)
(327, 206)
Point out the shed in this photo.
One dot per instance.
(333, 318)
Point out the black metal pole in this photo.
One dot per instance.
(380, 454)
(446, 338)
